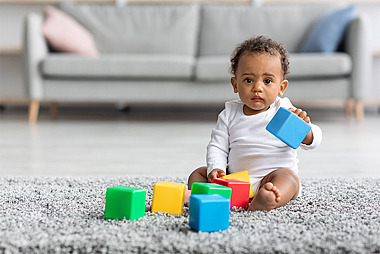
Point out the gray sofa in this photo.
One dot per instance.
(179, 54)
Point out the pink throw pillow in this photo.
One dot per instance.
(64, 34)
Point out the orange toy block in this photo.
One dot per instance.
(240, 176)
(168, 197)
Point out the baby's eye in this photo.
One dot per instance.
(267, 81)
(248, 80)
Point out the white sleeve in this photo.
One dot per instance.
(286, 103)
(218, 147)
(317, 138)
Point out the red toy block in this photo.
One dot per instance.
(240, 191)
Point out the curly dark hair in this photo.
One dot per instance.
(260, 44)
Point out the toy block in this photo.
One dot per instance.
(240, 176)
(168, 197)
(288, 127)
(240, 191)
(125, 202)
(209, 213)
(211, 188)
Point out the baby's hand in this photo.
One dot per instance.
(302, 114)
(216, 173)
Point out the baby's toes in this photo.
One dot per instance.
(278, 198)
(269, 186)
(277, 193)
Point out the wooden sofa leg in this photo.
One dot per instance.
(359, 111)
(348, 108)
(34, 108)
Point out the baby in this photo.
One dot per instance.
(240, 141)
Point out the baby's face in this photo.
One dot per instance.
(258, 80)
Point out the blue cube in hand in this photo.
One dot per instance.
(209, 213)
(288, 127)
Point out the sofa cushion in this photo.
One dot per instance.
(327, 32)
(119, 66)
(150, 29)
(310, 65)
(224, 26)
(212, 68)
(316, 65)
(64, 34)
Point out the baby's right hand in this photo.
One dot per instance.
(216, 173)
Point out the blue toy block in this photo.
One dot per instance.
(288, 127)
(209, 212)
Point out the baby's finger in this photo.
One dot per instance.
(303, 115)
(221, 173)
(212, 175)
(298, 111)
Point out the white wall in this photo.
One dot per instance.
(373, 12)
(11, 62)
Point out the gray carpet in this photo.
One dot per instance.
(65, 215)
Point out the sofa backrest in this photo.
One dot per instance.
(225, 26)
(146, 29)
(186, 29)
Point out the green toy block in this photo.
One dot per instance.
(125, 202)
(211, 188)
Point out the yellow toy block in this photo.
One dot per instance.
(240, 176)
(168, 197)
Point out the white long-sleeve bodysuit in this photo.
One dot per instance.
(240, 142)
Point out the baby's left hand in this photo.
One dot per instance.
(302, 114)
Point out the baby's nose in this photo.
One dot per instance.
(257, 87)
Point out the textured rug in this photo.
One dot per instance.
(65, 215)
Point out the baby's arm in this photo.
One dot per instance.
(218, 148)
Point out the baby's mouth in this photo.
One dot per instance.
(256, 98)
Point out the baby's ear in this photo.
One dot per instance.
(234, 84)
(284, 84)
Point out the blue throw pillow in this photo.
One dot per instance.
(326, 34)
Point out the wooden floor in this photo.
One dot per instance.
(161, 142)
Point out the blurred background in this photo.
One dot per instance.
(102, 138)
(13, 12)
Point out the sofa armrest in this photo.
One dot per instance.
(35, 49)
(359, 46)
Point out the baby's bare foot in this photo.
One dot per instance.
(266, 198)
